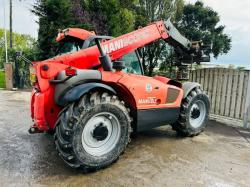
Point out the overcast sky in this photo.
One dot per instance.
(235, 14)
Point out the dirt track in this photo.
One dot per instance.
(218, 157)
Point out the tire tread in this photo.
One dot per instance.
(70, 117)
(180, 126)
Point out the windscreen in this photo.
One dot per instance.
(132, 64)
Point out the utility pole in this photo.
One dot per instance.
(7, 66)
(5, 33)
(11, 36)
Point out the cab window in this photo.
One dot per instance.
(69, 45)
(132, 64)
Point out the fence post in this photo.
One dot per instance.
(8, 76)
(247, 104)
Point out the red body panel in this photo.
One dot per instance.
(38, 111)
(162, 79)
(148, 92)
(74, 32)
(43, 76)
(44, 111)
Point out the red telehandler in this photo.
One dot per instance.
(93, 94)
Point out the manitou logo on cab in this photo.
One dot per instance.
(126, 41)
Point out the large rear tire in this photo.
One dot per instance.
(194, 114)
(92, 133)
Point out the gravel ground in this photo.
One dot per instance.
(218, 157)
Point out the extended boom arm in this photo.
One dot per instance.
(185, 49)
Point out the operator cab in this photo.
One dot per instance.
(70, 44)
(71, 40)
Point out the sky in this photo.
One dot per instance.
(24, 21)
(234, 14)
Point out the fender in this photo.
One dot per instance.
(78, 91)
(188, 86)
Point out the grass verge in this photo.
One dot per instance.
(2, 79)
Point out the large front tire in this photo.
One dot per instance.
(194, 114)
(92, 133)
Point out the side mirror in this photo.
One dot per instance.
(118, 65)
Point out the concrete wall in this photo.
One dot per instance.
(8, 76)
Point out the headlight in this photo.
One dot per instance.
(33, 78)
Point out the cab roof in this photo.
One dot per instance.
(74, 32)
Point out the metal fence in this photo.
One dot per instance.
(228, 90)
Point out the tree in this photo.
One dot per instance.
(53, 15)
(24, 43)
(105, 17)
(116, 17)
(21, 42)
(202, 23)
(88, 14)
(153, 10)
(120, 16)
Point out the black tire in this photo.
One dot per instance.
(184, 125)
(71, 123)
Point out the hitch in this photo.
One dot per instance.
(34, 130)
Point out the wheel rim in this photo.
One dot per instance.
(101, 134)
(197, 114)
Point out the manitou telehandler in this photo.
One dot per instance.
(93, 94)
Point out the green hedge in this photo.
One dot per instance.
(2, 79)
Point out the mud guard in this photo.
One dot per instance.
(77, 92)
(188, 86)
